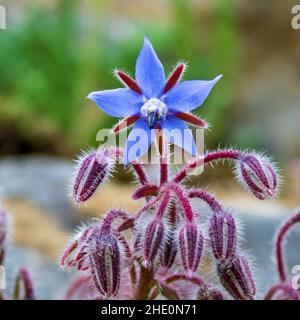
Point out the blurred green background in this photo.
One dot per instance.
(54, 53)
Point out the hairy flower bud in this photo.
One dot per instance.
(258, 175)
(93, 170)
(223, 235)
(191, 247)
(105, 263)
(169, 252)
(209, 293)
(153, 240)
(75, 256)
(237, 279)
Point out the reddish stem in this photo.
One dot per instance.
(146, 282)
(110, 217)
(205, 196)
(149, 205)
(162, 147)
(212, 156)
(177, 277)
(163, 205)
(293, 294)
(280, 261)
(24, 278)
(186, 206)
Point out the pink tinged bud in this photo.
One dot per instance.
(75, 256)
(237, 279)
(153, 241)
(93, 170)
(191, 247)
(105, 263)
(258, 176)
(169, 252)
(208, 293)
(223, 236)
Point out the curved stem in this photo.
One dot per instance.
(179, 277)
(209, 157)
(149, 205)
(110, 217)
(205, 196)
(279, 245)
(186, 206)
(24, 277)
(283, 287)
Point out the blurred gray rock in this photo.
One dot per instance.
(260, 229)
(49, 282)
(42, 180)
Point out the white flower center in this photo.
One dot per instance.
(154, 106)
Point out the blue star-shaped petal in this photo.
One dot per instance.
(152, 101)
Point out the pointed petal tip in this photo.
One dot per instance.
(146, 38)
(89, 96)
(149, 71)
(216, 79)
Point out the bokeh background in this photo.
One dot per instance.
(54, 52)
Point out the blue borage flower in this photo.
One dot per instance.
(154, 102)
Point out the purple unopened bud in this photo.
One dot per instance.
(3, 233)
(154, 238)
(169, 252)
(93, 169)
(105, 263)
(209, 293)
(223, 235)
(191, 247)
(237, 279)
(258, 175)
(75, 255)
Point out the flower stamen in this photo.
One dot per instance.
(154, 110)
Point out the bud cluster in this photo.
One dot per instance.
(233, 268)
(169, 233)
